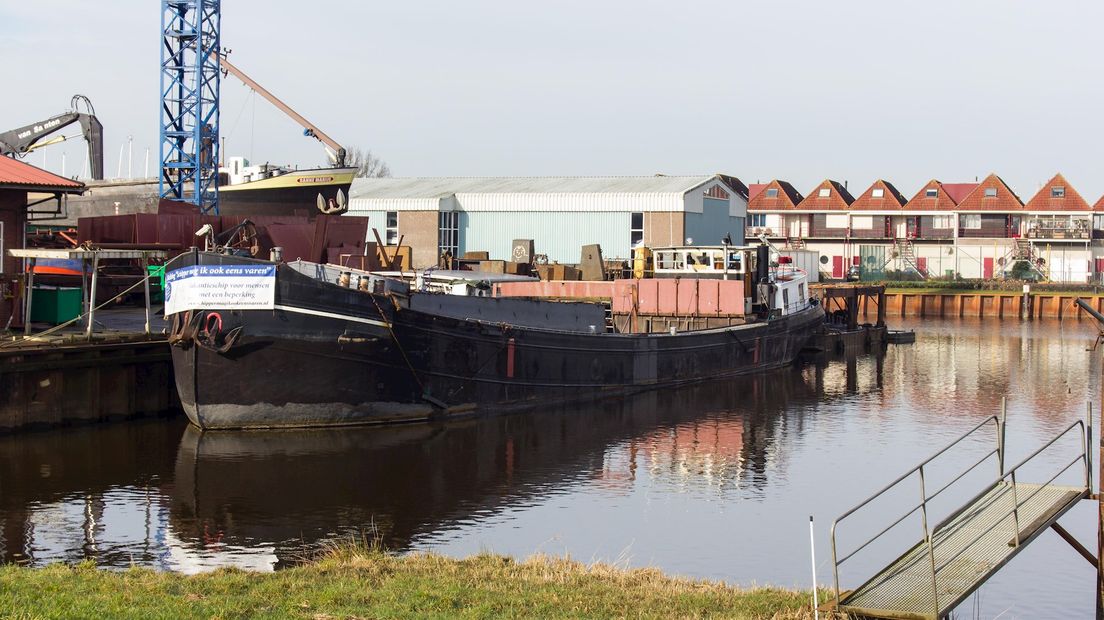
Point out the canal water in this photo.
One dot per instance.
(714, 481)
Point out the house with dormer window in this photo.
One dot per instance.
(772, 210)
(1057, 232)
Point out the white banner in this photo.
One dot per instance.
(220, 287)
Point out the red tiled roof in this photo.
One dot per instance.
(891, 199)
(19, 175)
(838, 198)
(958, 191)
(1099, 206)
(1043, 200)
(786, 199)
(942, 201)
(754, 189)
(1005, 199)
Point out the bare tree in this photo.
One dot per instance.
(367, 164)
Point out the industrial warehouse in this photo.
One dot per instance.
(561, 214)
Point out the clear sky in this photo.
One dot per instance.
(801, 90)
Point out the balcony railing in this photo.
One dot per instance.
(1059, 233)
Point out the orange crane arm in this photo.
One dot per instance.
(309, 128)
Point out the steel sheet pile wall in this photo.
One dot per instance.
(657, 297)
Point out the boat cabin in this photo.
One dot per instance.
(724, 262)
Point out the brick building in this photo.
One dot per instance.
(23, 187)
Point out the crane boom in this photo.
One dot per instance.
(23, 140)
(309, 128)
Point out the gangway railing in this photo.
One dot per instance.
(998, 450)
(1043, 503)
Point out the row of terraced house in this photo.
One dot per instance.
(966, 230)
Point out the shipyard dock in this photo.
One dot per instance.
(106, 363)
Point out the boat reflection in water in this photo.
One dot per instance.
(189, 500)
(295, 489)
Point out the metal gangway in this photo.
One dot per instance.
(955, 556)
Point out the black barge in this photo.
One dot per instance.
(258, 344)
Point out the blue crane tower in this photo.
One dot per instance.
(190, 75)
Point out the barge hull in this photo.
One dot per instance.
(329, 355)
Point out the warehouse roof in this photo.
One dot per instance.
(440, 187)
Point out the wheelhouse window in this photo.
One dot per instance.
(448, 232)
(392, 235)
(670, 259)
(636, 229)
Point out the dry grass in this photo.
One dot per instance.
(360, 581)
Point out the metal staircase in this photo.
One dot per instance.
(961, 551)
(907, 253)
(1024, 250)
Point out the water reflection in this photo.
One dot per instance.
(715, 480)
(187, 500)
(295, 488)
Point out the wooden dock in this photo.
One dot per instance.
(65, 378)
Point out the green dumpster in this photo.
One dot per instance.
(157, 282)
(55, 304)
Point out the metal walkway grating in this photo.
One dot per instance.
(957, 555)
(967, 549)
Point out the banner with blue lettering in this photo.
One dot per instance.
(220, 287)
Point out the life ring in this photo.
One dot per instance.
(207, 324)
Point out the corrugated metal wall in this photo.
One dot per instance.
(559, 235)
(710, 226)
(376, 219)
(571, 202)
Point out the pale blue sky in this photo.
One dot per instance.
(800, 90)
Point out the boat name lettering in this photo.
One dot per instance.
(314, 179)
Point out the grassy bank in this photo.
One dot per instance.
(365, 584)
